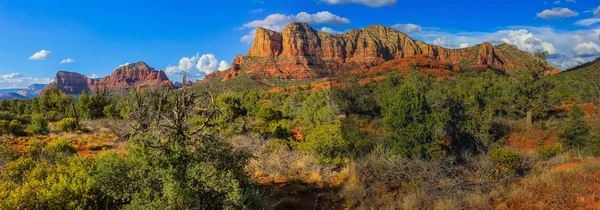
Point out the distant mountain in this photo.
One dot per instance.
(301, 52)
(137, 75)
(29, 92)
(12, 96)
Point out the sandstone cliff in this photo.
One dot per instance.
(301, 52)
(137, 75)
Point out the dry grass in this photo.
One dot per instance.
(571, 185)
(273, 163)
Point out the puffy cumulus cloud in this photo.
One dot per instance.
(525, 40)
(464, 45)
(408, 28)
(68, 60)
(17, 80)
(329, 30)
(370, 3)
(587, 22)
(587, 49)
(197, 66)
(41, 55)
(207, 64)
(94, 76)
(223, 66)
(573, 62)
(324, 17)
(597, 11)
(557, 13)
(277, 22)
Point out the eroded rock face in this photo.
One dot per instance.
(137, 75)
(301, 52)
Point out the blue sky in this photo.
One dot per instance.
(40, 37)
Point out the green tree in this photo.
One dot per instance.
(38, 124)
(268, 113)
(409, 120)
(529, 88)
(577, 131)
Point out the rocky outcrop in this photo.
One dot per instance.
(301, 52)
(138, 75)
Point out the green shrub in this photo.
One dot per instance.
(16, 128)
(547, 152)
(38, 124)
(34, 149)
(269, 113)
(110, 111)
(4, 125)
(437, 152)
(59, 149)
(15, 170)
(67, 124)
(593, 144)
(506, 159)
(577, 131)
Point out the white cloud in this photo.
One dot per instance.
(597, 11)
(587, 22)
(464, 45)
(324, 17)
(12, 76)
(587, 49)
(197, 66)
(525, 40)
(557, 13)
(207, 63)
(68, 60)
(256, 11)
(17, 80)
(277, 22)
(371, 3)
(572, 1)
(223, 66)
(408, 28)
(573, 62)
(329, 30)
(94, 76)
(557, 2)
(41, 55)
(442, 41)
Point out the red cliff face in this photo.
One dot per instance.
(301, 52)
(137, 75)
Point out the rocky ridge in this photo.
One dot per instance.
(137, 75)
(301, 52)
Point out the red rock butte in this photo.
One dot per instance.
(137, 75)
(301, 52)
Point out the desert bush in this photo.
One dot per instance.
(38, 124)
(547, 152)
(4, 125)
(67, 124)
(15, 127)
(577, 131)
(110, 111)
(268, 113)
(59, 150)
(506, 160)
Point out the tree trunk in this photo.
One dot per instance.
(529, 119)
(76, 117)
